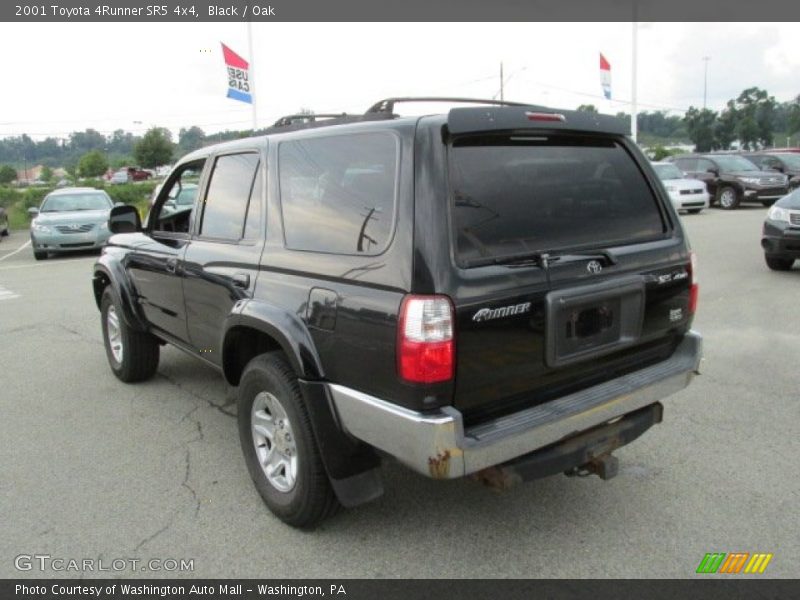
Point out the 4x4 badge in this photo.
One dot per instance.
(594, 267)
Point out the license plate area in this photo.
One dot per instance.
(590, 321)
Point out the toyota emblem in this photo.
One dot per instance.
(594, 267)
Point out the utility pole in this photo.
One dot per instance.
(705, 80)
(502, 96)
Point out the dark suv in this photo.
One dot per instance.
(787, 163)
(732, 179)
(503, 290)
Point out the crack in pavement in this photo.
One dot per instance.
(185, 483)
(150, 538)
(181, 387)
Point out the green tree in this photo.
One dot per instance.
(92, 164)
(7, 174)
(794, 116)
(190, 139)
(725, 127)
(700, 126)
(46, 175)
(155, 148)
(589, 108)
(86, 141)
(755, 110)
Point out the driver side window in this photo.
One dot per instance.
(174, 210)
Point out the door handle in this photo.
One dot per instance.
(172, 265)
(241, 280)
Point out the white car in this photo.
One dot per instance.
(685, 194)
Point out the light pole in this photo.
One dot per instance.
(705, 79)
(504, 80)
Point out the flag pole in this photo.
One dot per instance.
(634, 43)
(252, 72)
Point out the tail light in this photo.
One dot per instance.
(694, 290)
(425, 344)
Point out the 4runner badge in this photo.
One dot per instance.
(487, 314)
(594, 267)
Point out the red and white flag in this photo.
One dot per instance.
(605, 76)
(239, 83)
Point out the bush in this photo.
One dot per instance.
(8, 196)
(92, 164)
(131, 193)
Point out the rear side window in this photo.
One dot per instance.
(227, 197)
(703, 165)
(511, 196)
(338, 192)
(686, 164)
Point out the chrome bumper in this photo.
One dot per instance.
(436, 444)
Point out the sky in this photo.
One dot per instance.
(62, 77)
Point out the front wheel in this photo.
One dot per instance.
(39, 254)
(132, 355)
(728, 198)
(278, 443)
(777, 263)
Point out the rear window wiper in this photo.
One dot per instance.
(539, 259)
(609, 256)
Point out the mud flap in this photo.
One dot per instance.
(352, 466)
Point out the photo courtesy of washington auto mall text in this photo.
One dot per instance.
(454, 299)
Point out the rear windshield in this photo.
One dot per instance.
(514, 195)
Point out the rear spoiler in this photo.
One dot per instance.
(516, 118)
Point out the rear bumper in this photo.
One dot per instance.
(436, 444)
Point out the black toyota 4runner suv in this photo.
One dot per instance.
(502, 291)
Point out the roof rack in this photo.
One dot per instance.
(382, 110)
(387, 105)
(306, 118)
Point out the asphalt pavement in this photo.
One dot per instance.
(95, 469)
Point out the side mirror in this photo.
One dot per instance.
(33, 211)
(714, 172)
(124, 219)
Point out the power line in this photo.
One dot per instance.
(110, 131)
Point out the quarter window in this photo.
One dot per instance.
(338, 193)
(687, 165)
(226, 200)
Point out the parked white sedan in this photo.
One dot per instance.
(686, 194)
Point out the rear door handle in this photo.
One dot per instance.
(241, 280)
(172, 265)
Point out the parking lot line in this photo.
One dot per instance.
(6, 294)
(25, 245)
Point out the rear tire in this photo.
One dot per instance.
(132, 355)
(39, 254)
(278, 443)
(777, 263)
(728, 198)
